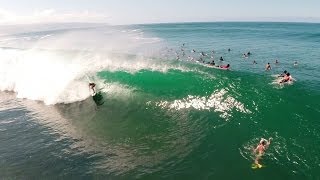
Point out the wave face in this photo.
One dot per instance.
(55, 66)
(164, 115)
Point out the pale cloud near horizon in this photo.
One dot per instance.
(8, 17)
(51, 16)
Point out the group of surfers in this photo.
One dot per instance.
(286, 76)
(263, 143)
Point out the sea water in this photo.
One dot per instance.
(164, 114)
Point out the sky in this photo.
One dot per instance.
(156, 11)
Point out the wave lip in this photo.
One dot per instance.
(42, 76)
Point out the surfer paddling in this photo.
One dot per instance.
(286, 78)
(260, 149)
(225, 66)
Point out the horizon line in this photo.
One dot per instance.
(173, 22)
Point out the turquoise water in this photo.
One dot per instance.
(160, 118)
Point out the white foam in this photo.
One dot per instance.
(41, 76)
(218, 101)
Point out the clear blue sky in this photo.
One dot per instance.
(153, 11)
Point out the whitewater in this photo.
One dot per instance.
(56, 66)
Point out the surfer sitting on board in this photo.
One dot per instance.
(92, 86)
(260, 149)
(268, 67)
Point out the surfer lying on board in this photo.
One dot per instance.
(283, 74)
(260, 149)
(287, 77)
(225, 66)
(92, 86)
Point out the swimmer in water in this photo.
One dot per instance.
(295, 63)
(260, 150)
(254, 62)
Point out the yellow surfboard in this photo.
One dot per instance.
(257, 166)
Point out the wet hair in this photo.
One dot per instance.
(228, 65)
(288, 74)
(285, 71)
(263, 142)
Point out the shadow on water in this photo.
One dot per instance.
(98, 99)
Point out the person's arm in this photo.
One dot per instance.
(268, 143)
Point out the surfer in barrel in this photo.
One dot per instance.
(260, 149)
(92, 86)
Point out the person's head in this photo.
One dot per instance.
(268, 63)
(285, 71)
(288, 74)
(263, 143)
(228, 65)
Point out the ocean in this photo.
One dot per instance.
(159, 113)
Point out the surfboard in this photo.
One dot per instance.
(98, 98)
(257, 166)
(278, 79)
(215, 67)
(93, 93)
